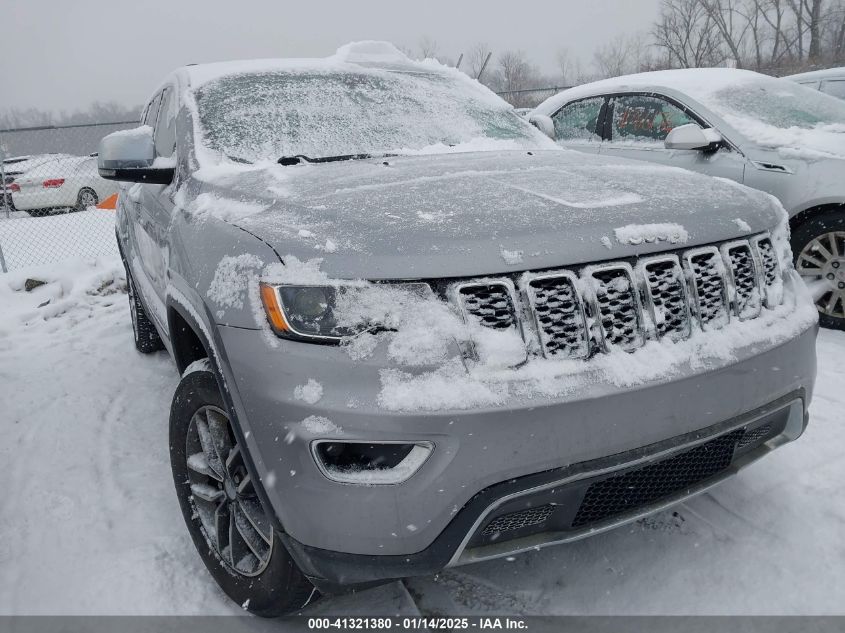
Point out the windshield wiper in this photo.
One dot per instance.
(288, 161)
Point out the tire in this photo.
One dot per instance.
(818, 245)
(85, 198)
(147, 339)
(214, 487)
(38, 213)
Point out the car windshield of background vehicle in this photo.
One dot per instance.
(266, 116)
(780, 103)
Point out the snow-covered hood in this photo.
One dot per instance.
(469, 214)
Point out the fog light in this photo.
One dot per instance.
(370, 463)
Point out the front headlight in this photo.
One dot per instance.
(329, 313)
(306, 312)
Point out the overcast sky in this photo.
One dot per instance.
(57, 54)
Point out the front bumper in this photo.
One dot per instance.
(575, 501)
(475, 449)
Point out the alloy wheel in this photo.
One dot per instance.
(821, 263)
(223, 494)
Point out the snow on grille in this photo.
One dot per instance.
(744, 276)
(667, 295)
(559, 316)
(618, 306)
(672, 292)
(709, 287)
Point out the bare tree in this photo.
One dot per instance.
(685, 31)
(624, 54)
(428, 47)
(474, 60)
(515, 74)
(569, 68)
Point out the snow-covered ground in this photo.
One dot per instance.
(89, 522)
(28, 241)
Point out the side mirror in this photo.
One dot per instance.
(544, 124)
(129, 156)
(692, 136)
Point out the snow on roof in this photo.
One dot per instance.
(362, 54)
(827, 73)
(699, 83)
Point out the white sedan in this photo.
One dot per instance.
(58, 184)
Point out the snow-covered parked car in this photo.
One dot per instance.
(413, 333)
(57, 182)
(767, 133)
(829, 81)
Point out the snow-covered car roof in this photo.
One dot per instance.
(818, 75)
(773, 113)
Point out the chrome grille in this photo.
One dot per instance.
(667, 297)
(770, 274)
(490, 303)
(708, 286)
(559, 316)
(613, 305)
(618, 306)
(743, 273)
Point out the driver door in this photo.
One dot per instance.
(637, 126)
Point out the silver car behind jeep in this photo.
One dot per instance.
(414, 333)
(763, 132)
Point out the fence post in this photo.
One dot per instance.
(5, 201)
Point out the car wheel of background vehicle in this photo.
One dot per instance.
(224, 515)
(86, 198)
(147, 339)
(818, 246)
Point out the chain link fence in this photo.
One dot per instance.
(51, 196)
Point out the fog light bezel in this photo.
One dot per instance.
(421, 451)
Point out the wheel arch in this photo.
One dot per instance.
(802, 216)
(186, 338)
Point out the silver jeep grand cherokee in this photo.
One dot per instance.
(413, 333)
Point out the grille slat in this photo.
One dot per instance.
(559, 316)
(490, 303)
(646, 485)
(618, 306)
(743, 271)
(707, 283)
(770, 275)
(709, 289)
(667, 296)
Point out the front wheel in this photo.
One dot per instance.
(228, 523)
(818, 245)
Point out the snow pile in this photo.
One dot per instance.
(208, 204)
(318, 425)
(649, 233)
(310, 392)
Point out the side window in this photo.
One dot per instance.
(165, 130)
(640, 118)
(152, 111)
(577, 121)
(834, 87)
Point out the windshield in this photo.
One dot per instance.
(266, 116)
(779, 103)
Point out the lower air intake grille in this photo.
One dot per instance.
(517, 520)
(755, 435)
(644, 486)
